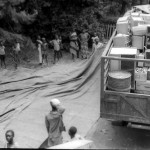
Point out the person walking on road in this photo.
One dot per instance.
(54, 123)
(10, 140)
(39, 45)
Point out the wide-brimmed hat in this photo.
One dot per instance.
(55, 102)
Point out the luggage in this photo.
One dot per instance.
(140, 56)
(135, 21)
(121, 40)
(141, 74)
(122, 27)
(135, 14)
(146, 17)
(138, 41)
(139, 30)
(123, 19)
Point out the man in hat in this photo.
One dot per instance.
(54, 123)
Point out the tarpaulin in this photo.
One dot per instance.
(25, 95)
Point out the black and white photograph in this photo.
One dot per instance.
(75, 74)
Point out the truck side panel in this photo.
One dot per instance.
(126, 107)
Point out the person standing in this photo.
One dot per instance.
(97, 45)
(10, 140)
(44, 51)
(54, 123)
(2, 54)
(93, 39)
(74, 48)
(84, 38)
(39, 45)
(61, 46)
(16, 52)
(73, 134)
(56, 44)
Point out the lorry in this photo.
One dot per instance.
(131, 108)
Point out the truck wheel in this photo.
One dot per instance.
(124, 123)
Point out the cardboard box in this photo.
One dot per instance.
(138, 41)
(135, 21)
(140, 56)
(122, 27)
(143, 87)
(141, 74)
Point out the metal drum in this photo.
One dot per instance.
(119, 81)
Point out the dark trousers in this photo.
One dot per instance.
(44, 57)
(2, 58)
(56, 55)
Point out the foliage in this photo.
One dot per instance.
(47, 17)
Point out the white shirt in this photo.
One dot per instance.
(17, 48)
(77, 137)
(15, 145)
(93, 38)
(97, 46)
(2, 50)
(56, 44)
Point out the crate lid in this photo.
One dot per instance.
(123, 51)
(119, 74)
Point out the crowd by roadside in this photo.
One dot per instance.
(78, 48)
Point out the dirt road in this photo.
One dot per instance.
(25, 96)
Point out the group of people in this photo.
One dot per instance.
(54, 125)
(42, 45)
(82, 40)
(15, 53)
(78, 48)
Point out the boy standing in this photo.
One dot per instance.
(10, 140)
(73, 134)
(56, 44)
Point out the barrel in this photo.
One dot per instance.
(119, 81)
